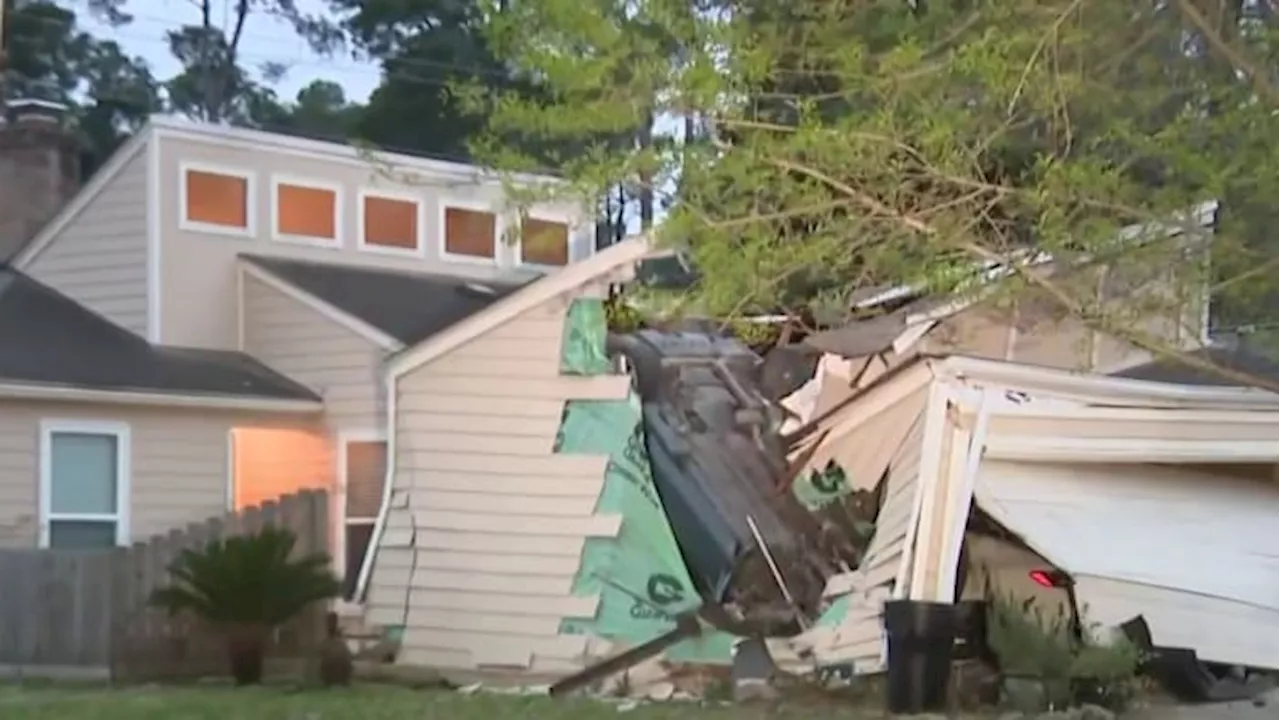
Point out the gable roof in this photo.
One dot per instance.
(407, 307)
(603, 264)
(49, 340)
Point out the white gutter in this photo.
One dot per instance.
(380, 525)
(1114, 389)
(66, 393)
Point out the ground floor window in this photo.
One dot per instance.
(84, 484)
(364, 472)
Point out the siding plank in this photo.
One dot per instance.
(531, 488)
(589, 526)
(601, 387)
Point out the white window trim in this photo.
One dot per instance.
(499, 225)
(346, 437)
(333, 243)
(124, 451)
(250, 201)
(420, 208)
(571, 226)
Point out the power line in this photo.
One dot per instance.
(317, 60)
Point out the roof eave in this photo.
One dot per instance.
(15, 390)
(600, 265)
(247, 267)
(1117, 390)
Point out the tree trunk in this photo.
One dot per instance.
(645, 141)
(246, 650)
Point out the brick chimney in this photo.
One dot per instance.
(39, 169)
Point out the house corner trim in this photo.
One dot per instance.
(154, 217)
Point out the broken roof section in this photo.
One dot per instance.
(956, 418)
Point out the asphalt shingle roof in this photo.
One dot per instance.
(47, 338)
(409, 307)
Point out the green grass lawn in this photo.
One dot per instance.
(369, 702)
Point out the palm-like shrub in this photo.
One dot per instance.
(245, 587)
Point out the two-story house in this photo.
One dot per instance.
(206, 324)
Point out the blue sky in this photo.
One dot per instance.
(265, 40)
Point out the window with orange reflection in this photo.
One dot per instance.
(216, 199)
(304, 211)
(390, 223)
(544, 242)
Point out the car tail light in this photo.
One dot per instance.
(1050, 578)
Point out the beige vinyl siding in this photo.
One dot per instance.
(100, 258)
(975, 331)
(299, 342)
(859, 637)
(178, 459)
(1038, 335)
(198, 268)
(487, 525)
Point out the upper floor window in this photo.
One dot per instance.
(305, 211)
(470, 234)
(544, 242)
(217, 200)
(390, 223)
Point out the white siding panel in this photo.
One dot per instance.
(497, 520)
(858, 638)
(100, 257)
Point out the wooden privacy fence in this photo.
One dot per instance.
(64, 610)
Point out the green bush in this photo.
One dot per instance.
(1104, 671)
(1117, 661)
(245, 587)
(1027, 642)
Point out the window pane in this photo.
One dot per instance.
(469, 232)
(390, 223)
(544, 243)
(358, 536)
(83, 473)
(217, 199)
(305, 211)
(366, 474)
(81, 535)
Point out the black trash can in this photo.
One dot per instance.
(921, 640)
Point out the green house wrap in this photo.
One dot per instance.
(639, 575)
